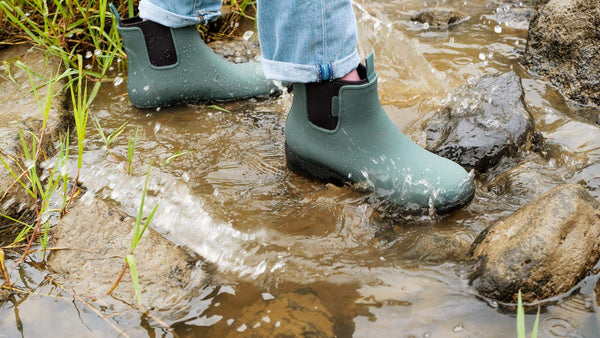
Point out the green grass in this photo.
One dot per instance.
(71, 30)
(138, 231)
(521, 320)
(108, 139)
(131, 142)
(40, 189)
(174, 156)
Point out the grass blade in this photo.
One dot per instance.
(520, 318)
(535, 325)
(134, 277)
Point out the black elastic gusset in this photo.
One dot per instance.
(159, 41)
(319, 96)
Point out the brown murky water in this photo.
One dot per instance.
(265, 231)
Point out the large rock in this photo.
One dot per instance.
(20, 113)
(564, 45)
(439, 17)
(93, 241)
(485, 121)
(543, 249)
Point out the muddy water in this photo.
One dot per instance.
(265, 231)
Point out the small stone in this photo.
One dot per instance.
(439, 17)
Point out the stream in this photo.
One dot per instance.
(265, 232)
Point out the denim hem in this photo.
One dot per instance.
(293, 72)
(152, 12)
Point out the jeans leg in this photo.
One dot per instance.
(180, 13)
(307, 40)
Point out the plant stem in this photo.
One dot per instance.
(118, 279)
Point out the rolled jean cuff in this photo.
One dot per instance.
(152, 12)
(293, 72)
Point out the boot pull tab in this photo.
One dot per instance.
(115, 12)
(335, 106)
(370, 64)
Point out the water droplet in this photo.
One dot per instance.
(267, 296)
(498, 29)
(117, 81)
(247, 35)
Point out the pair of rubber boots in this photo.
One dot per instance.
(336, 131)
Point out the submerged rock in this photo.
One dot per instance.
(439, 17)
(94, 240)
(563, 45)
(589, 177)
(298, 314)
(512, 15)
(526, 2)
(543, 249)
(485, 121)
(21, 113)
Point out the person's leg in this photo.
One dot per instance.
(307, 40)
(337, 129)
(168, 63)
(180, 13)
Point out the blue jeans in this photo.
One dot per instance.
(301, 40)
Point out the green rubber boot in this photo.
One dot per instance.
(366, 147)
(197, 74)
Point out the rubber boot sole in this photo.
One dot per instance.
(312, 169)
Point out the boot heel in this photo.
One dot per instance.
(308, 168)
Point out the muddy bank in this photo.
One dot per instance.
(92, 241)
(21, 114)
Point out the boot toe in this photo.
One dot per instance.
(456, 194)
